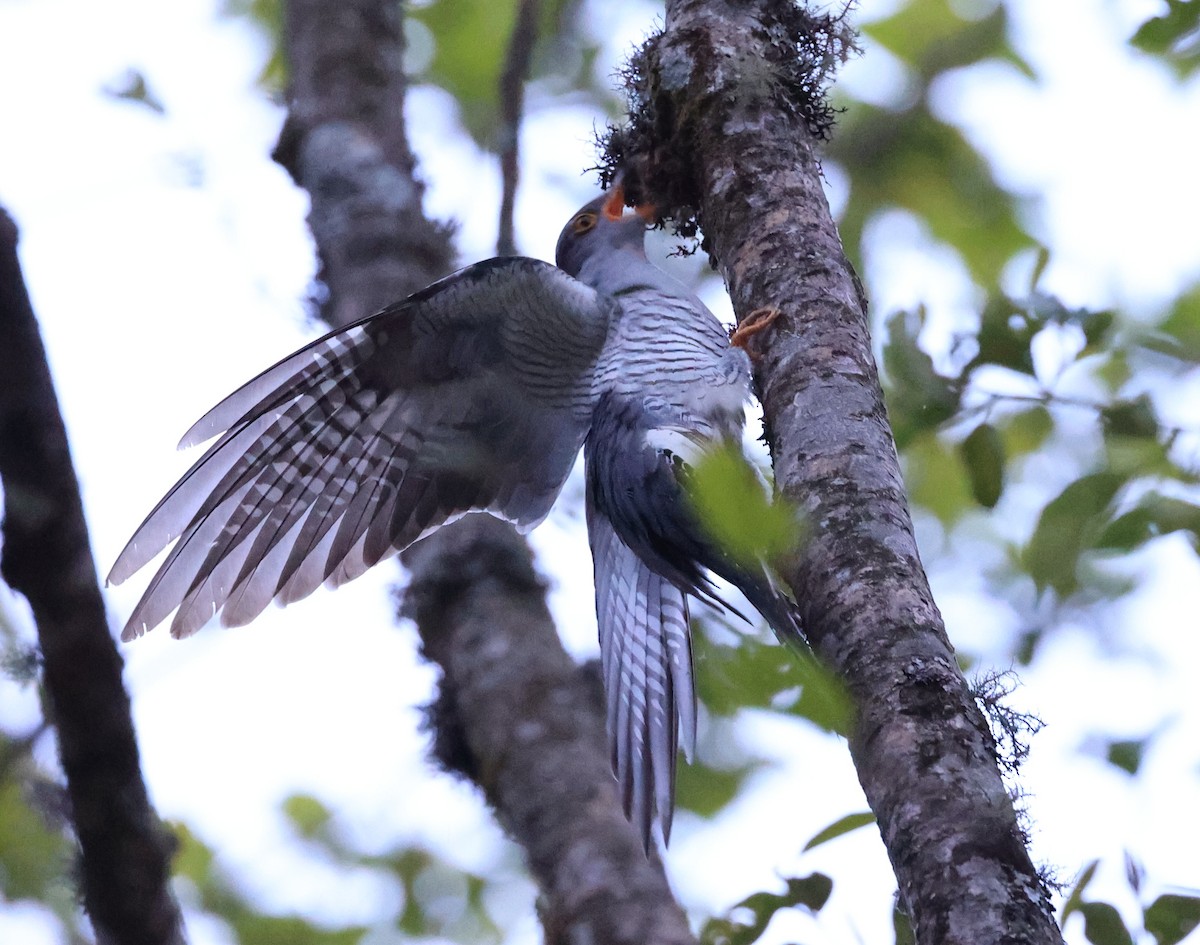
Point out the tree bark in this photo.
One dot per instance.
(730, 110)
(513, 714)
(125, 853)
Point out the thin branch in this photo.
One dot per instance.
(124, 851)
(512, 103)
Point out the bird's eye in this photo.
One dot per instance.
(582, 223)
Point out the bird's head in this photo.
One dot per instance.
(602, 233)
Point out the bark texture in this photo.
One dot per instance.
(124, 863)
(514, 714)
(519, 718)
(727, 104)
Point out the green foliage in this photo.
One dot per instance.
(1169, 918)
(1070, 523)
(706, 790)
(919, 398)
(982, 453)
(1173, 37)
(424, 878)
(732, 503)
(747, 921)
(839, 828)
(756, 675)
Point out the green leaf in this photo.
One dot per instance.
(1154, 515)
(933, 37)
(1075, 900)
(982, 453)
(733, 505)
(810, 893)
(707, 791)
(1026, 431)
(131, 86)
(1066, 528)
(309, 815)
(1127, 755)
(1006, 330)
(1172, 917)
(1135, 417)
(913, 161)
(918, 397)
(1103, 926)
(1175, 37)
(824, 699)
(840, 827)
(751, 674)
(1179, 333)
(936, 478)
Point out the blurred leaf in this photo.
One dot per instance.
(1127, 755)
(1103, 926)
(913, 161)
(705, 790)
(267, 15)
(32, 856)
(131, 86)
(1135, 873)
(1135, 417)
(1171, 918)
(1026, 431)
(840, 827)
(193, 858)
(1064, 530)
(1154, 515)
(732, 503)
(933, 38)
(307, 814)
(1006, 330)
(751, 674)
(1175, 37)
(1179, 333)
(824, 699)
(1075, 900)
(982, 453)
(936, 478)
(918, 397)
(749, 918)
(291, 930)
(902, 926)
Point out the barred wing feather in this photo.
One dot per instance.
(473, 394)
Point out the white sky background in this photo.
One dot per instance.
(168, 261)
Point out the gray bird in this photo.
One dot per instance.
(475, 394)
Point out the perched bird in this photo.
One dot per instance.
(475, 394)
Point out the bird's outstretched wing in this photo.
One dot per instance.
(472, 394)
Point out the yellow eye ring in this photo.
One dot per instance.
(583, 222)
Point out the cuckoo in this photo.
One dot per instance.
(476, 394)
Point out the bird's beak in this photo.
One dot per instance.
(614, 206)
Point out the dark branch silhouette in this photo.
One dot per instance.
(512, 104)
(124, 851)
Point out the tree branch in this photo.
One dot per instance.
(518, 717)
(527, 720)
(512, 103)
(46, 556)
(734, 115)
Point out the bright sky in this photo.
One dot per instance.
(168, 261)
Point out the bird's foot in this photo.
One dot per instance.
(757, 321)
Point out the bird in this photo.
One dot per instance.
(476, 394)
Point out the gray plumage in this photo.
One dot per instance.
(476, 394)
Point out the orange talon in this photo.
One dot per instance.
(759, 320)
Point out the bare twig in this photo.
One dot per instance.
(512, 103)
